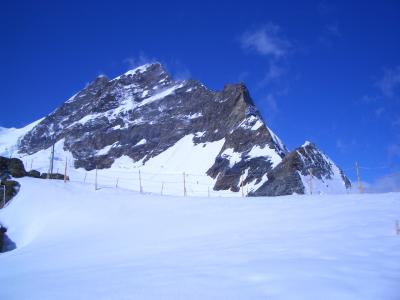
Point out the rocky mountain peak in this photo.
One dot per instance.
(300, 167)
(145, 113)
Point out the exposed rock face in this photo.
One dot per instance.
(10, 167)
(144, 112)
(305, 161)
(34, 174)
(5, 243)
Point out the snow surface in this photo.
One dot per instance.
(141, 142)
(267, 152)
(277, 140)
(138, 70)
(9, 138)
(161, 95)
(77, 243)
(162, 172)
(106, 149)
(232, 156)
(257, 125)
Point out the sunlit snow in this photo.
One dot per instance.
(77, 243)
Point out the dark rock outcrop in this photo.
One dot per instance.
(11, 167)
(11, 189)
(308, 160)
(6, 244)
(53, 176)
(33, 174)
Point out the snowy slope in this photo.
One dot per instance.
(77, 243)
(9, 138)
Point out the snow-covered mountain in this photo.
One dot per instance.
(145, 120)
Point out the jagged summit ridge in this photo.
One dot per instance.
(144, 113)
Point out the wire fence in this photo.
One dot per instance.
(183, 184)
(188, 183)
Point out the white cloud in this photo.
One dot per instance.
(369, 99)
(387, 183)
(333, 29)
(331, 32)
(379, 111)
(394, 151)
(178, 70)
(136, 61)
(341, 145)
(396, 122)
(274, 72)
(324, 8)
(390, 82)
(267, 41)
(271, 105)
(345, 146)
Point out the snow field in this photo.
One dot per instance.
(77, 243)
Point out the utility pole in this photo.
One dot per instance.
(4, 195)
(140, 183)
(184, 184)
(84, 179)
(116, 185)
(358, 178)
(95, 180)
(65, 171)
(241, 184)
(51, 162)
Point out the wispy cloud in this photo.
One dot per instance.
(243, 75)
(387, 183)
(333, 29)
(267, 40)
(345, 146)
(325, 7)
(396, 122)
(274, 72)
(178, 70)
(175, 67)
(379, 111)
(274, 49)
(330, 34)
(139, 60)
(342, 146)
(394, 151)
(270, 103)
(369, 99)
(389, 83)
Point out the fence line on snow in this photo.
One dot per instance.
(187, 183)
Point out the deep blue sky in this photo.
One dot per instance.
(325, 71)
